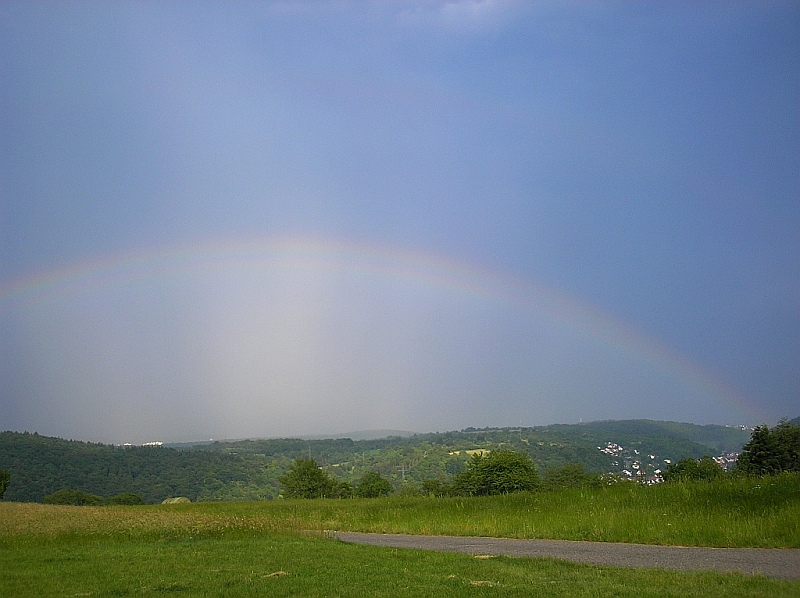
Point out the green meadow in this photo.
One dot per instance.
(278, 548)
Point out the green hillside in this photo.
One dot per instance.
(249, 469)
(719, 438)
(41, 465)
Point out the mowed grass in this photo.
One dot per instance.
(275, 548)
(282, 564)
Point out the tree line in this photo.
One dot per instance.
(498, 472)
(432, 464)
(769, 452)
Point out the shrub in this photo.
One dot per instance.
(68, 496)
(411, 491)
(124, 498)
(704, 468)
(498, 472)
(372, 485)
(343, 490)
(571, 475)
(434, 487)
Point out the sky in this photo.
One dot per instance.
(253, 219)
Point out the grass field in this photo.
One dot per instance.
(270, 548)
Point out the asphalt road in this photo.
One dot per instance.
(771, 562)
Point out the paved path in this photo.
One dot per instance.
(778, 563)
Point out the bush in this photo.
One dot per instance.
(343, 490)
(124, 498)
(705, 469)
(68, 496)
(372, 485)
(498, 472)
(571, 475)
(411, 491)
(433, 487)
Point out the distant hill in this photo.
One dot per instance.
(718, 438)
(40, 465)
(249, 469)
(795, 421)
(362, 435)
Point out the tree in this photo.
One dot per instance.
(68, 496)
(771, 451)
(705, 469)
(498, 472)
(373, 485)
(4, 478)
(305, 479)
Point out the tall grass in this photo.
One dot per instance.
(725, 513)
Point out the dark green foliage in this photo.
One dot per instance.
(571, 475)
(250, 469)
(124, 498)
(373, 485)
(436, 455)
(343, 490)
(40, 465)
(703, 469)
(4, 478)
(432, 487)
(771, 451)
(455, 466)
(668, 439)
(498, 472)
(68, 496)
(305, 479)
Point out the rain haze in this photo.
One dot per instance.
(229, 220)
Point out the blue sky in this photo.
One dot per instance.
(265, 219)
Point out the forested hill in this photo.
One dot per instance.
(40, 465)
(249, 469)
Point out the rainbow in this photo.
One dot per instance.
(438, 271)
